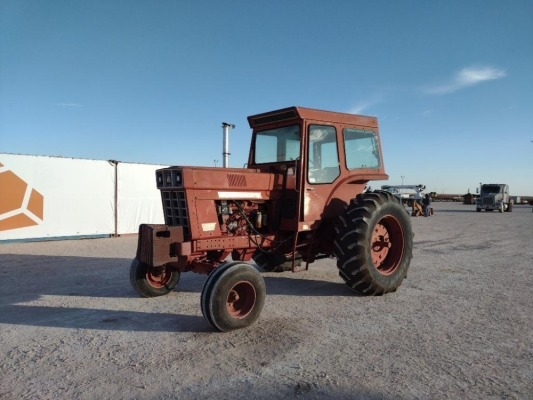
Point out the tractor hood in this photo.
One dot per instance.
(228, 183)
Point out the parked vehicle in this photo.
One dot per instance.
(494, 196)
(301, 198)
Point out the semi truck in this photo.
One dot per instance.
(494, 196)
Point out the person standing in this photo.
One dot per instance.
(426, 202)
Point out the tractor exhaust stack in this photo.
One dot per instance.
(225, 144)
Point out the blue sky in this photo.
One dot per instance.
(451, 82)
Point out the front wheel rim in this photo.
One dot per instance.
(241, 300)
(159, 278)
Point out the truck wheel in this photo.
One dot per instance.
(510, 207)
(152, 282)
(233, 296)
(374, 244)
(478, 209)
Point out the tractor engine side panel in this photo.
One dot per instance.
(221, 218)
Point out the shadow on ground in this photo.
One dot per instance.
(116, 320)
(27, 278)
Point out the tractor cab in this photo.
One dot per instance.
(324, 157)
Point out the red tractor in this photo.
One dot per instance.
(301, 198)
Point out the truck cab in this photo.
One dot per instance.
(494, 196)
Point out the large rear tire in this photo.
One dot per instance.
(374, 244)
(233, 296)
(152, 282)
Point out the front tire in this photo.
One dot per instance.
(233, 296)
(152, 281)
(374, 244)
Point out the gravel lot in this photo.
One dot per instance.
(460, 326)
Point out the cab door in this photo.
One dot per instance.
(321, 170)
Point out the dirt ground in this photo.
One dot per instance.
(460, 326)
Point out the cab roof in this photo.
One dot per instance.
(301, 113)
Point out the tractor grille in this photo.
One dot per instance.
(175, 209)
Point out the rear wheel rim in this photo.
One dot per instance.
(241, 300)
(387, 244)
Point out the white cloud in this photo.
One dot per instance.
(468, 77)
(359, 108)
(363, 105)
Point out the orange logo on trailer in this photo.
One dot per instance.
(20, 205)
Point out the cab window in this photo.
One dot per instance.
(323, 157)
(361, 149)
(277, 145)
